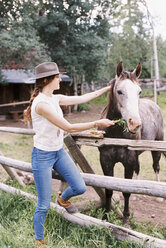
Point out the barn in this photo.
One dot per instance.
(15, 93)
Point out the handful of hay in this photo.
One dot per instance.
(122, 123)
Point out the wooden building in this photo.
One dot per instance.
(19, 87)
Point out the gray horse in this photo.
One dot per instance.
(144, 120)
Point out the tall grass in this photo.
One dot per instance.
(16, 228)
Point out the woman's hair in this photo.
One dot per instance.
(40, 84)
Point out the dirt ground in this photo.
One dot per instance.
(144, 208)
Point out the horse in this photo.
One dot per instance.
(144, 120)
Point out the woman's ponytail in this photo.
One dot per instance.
(40, 84)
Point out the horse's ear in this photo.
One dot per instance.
(138, 70)
(119, 68)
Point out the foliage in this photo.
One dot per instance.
(83, 107)
(102, 100)
(131, 39)
(161, 44)
(76, 38)
(87, 38)
(20, 46)
(122, 123)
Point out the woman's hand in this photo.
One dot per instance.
(107, 88)
(104, 123)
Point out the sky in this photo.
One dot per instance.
(157, 9)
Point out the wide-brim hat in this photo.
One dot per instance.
(46, 69)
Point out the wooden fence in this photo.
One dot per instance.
(157, 189)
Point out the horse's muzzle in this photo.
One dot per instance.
(133, 125)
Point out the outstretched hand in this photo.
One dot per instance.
(104, 123)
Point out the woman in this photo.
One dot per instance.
(48, 152)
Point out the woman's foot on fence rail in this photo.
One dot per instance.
(66, 204)
(40, 243)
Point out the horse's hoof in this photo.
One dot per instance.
(126, 223)
(105, 217)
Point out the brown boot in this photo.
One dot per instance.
(40, 243)
(67, 205)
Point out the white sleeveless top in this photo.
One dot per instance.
(48, 137)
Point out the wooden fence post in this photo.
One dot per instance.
(84, 165)
(81, 160)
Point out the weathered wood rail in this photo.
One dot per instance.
(145, 187)
(81, 139)
(148, 145)
(13, 104)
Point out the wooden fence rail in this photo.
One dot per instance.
(82, 139)
(13, 104)
(145, 187)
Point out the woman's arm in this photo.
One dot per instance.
(72, 100)
(51, 115)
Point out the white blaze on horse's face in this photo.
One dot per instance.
(127, 95)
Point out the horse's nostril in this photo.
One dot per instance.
(130, 122)
(134, 125)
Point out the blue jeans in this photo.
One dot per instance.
(42, 164)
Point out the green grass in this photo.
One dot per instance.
(16, 228)
(83, 107)
(16, 146)
(102, 100)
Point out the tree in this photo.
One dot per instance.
(131, 43)
(20, 46)
(77, 39)
(162, 55)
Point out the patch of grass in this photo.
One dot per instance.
(154, 230)
(102, 100)
(83, 107)
(16, 146)
(16, 229)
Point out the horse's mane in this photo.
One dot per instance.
(105, 110)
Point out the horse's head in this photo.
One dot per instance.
(126, 93)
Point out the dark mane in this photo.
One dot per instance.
(105, 110)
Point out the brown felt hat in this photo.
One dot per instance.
(46, 69)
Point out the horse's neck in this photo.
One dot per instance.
(112, 113)
(113, 131)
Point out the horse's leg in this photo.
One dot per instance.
(108, 192)
(129, 169)
(108, 170)
(108, 195)
(156, 158)
(137, 165)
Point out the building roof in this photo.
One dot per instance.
(24, 76)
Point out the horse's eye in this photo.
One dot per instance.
(140, 92)
(120, 92)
